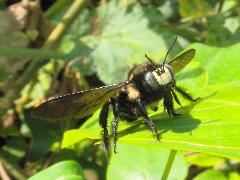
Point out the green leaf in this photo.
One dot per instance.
(217, 33)
(234, 176)
(144, 163)
(62, 170)
(222, 64)
(210, 125)
(123, 35)
(211, 174)
(43, 136)
(204, 160)
(196, 8)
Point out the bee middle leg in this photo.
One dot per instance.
(143, 112)
(103, 122)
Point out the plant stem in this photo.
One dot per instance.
(56, 8)
(169, 164)
(65, 23)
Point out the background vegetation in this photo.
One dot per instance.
(51, 48)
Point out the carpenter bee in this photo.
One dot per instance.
(147, 83)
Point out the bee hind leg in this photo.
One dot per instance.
(103, 122)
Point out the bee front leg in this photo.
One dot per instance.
(168, 103)
(185, 94)
(115, 123)
(103, 122)
(143, 112)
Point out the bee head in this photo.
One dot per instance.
(162, 74)
(159, 77)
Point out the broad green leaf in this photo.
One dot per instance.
(119, 36)
(62, 170)
(126, 33)
(222, 64)
(210, 125)
(144, 163)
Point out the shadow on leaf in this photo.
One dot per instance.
(179, 124)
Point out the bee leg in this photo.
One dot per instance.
(185, 94)
(115, 124)
(143, 112)
(103, 122)
(168, 103)
(176, 98)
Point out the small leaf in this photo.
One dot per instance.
(211, 174)
(62, 170)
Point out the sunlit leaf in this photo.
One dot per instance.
(204, 160)
(212, 174)
(144, 163)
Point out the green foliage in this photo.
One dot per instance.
(105, 40)
(124, 38)
(196, 8)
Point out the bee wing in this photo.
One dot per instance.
(77, 105)
(179, 62)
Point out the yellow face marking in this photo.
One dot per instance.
(163, 78)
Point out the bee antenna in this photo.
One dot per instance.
(169, 50)
(150, 60)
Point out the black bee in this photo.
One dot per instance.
(147, 83)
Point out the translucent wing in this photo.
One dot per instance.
(179, 62)
(77, 105)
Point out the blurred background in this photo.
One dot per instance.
(50, 48)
